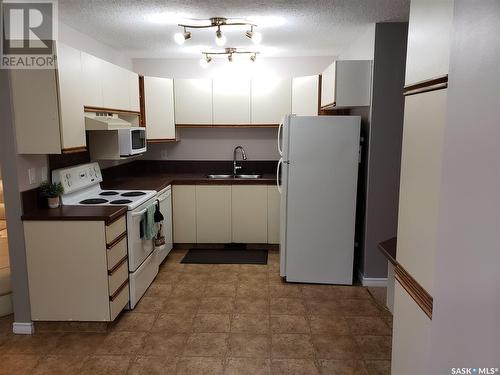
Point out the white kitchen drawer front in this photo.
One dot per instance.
(116, 252)
(118, 276)
(115, 229)
(118, 302)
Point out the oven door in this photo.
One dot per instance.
(137, 141)
(138, 247)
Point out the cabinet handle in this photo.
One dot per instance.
(116, 240)
(118, 291)
(118, 265)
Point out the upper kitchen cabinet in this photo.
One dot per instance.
(106, 85)
(305, 92)
(48, 107)
(159, 106)
(271, 100)
(429, 40)
(346, 83)
(91, 85)
(231, 101)
(193, 101)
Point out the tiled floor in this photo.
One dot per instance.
(217, 319)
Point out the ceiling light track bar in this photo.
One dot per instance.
(218, 22)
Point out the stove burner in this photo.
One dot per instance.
(121, 201)
(109, 193)
(133, 194)
(94, 201)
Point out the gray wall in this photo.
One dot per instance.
(384, 145)
(466, 315)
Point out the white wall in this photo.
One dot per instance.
(190, 68)
(363, 47)
(217, 144)
(466, 316)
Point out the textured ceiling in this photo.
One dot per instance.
(145, 28)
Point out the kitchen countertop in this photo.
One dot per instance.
(108, 214)
(388, 248)
(159, 181)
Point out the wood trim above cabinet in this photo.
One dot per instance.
(111, 110)
(142, 102)
(162, 140)
(423, 299)
(74, 150)
(432, 84)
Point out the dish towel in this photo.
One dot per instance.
(148, 223)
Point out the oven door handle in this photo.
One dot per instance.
(140, 213)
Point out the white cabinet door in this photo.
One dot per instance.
(328, 86)
(353, 83)
(133, 84)
(346, 83)
(91, 83)
(159, 105)
(231, 101)
(305, 96)
(429, 39)
(36, 114)
(273, 214)
(69, 69)
(115, 86)
(193, 101)
(421, 159)
(249, 213)
(271, 100)
(213, 214)
(184, 213)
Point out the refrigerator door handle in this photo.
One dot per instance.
(280, 129)
(280, 162)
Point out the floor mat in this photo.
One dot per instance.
(227, 254)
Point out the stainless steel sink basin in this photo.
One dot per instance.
(219, 176)
(249, 176)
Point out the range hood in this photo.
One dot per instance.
(105, 121)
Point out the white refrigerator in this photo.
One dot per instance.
(319, 172)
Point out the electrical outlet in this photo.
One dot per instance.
(32, 176)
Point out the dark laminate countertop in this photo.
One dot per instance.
(388, 248)
(159, 181)
(108, 214)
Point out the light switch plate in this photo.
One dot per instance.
(163, 154)
(43, 174)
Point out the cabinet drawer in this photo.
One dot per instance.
(117, 276)
(115, 229)
(118, 302)
(117, 251)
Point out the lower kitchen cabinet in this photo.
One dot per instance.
(213, 214)
(273, 214)
(80, 274)
(249, 213)
(184, 213)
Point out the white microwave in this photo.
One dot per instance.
(132, 141)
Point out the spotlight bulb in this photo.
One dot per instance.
(256, 37)
(230, 57)
(220, 39)
(179, 38)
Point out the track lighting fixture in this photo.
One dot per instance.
(255, 36)
(180, 38)
(218, 22)
(230, 52)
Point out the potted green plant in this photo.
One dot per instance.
(52, 191)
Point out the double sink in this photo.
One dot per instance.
(228, 176)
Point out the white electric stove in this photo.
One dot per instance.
(82, 188)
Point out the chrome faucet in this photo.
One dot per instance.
(243, 155)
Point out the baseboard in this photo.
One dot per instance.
(23, 328)
(372, 281)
